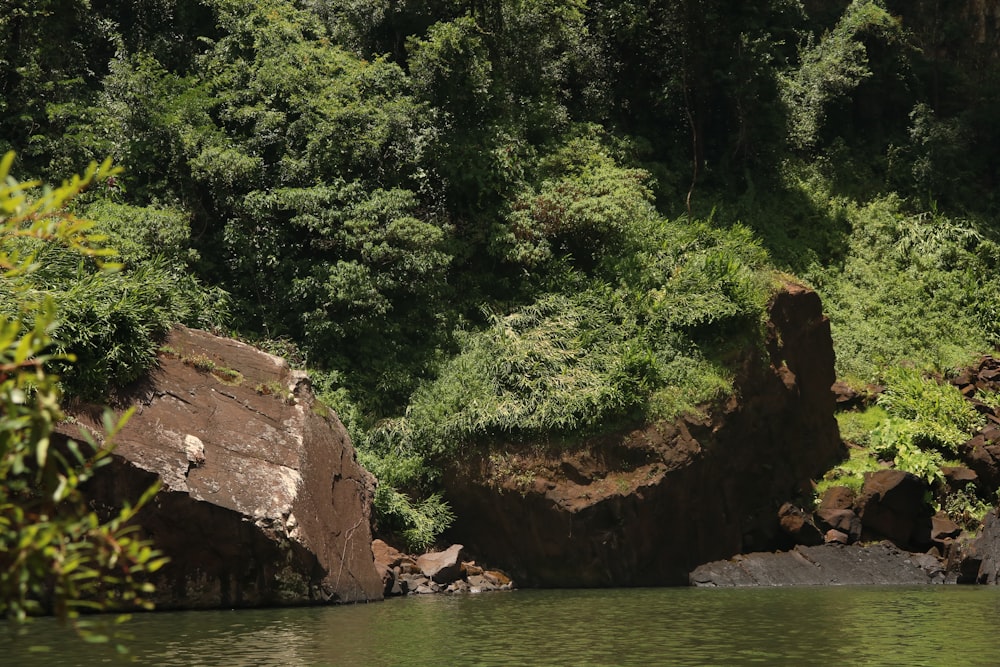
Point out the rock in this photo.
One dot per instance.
(479, 584)
(646, 504)
(460, 586)
(983, 457)
(411, 582)
(830, 564)
(958, 477)
(798, 525)
(837, 498)
(943, 528)
(981, 562)
(386, 555)
(443, 567)
(470, 568)
(892, 505)
(844, 521)
(836, 536)
(262, 500)
(845, 396)
(498, 579)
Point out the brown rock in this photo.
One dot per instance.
(958, 477)
(892, 505)
(834, 536)
(443, 567)
(387, 555)
(981, 459)
(837, 498)
(845, 521)
(844, 395)
(262, 500)
(943, 528)
(498, 578)
(470, 568)
(798, 525)
(662, 498)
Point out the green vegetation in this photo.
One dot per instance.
(56, 554)
(515, 220)
(917, 426)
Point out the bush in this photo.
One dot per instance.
(56, 554)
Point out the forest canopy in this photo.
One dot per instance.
(516, 218)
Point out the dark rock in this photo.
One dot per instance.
(958, 477)
(837, 498)
(830, 564)
(981, 561)
(798, 525)
(892, 505)
(845, 396)
(661, 498)
(844, 521)
(442, 567)
(982, 457)
(836, 536)
(262, 501)
(411, 582)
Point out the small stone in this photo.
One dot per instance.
(835, 536)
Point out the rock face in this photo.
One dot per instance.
(644, 507)
(827, 565)
(981, 561)
(262, 500)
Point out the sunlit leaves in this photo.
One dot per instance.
(56, 555)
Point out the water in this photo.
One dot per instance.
(939, 625)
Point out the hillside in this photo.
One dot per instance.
(517, 222)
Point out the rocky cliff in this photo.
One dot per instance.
(645, 506)
(262, 500)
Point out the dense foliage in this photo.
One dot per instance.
(512, 219)
(56, 554)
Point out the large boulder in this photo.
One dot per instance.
(443, 567)
(644, 506)
(262, 500)
(893, 505)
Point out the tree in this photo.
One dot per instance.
(56, 555)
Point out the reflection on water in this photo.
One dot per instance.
(674, 626)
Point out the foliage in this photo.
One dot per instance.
(936, 274)
(403, 506)
(833, 67)
(585, 203)
(585, 361)
(966, 507)
(917, 425)
(56, 555)
(942, 417)
(400, 193)
(849, 473)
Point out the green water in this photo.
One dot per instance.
(941, 625)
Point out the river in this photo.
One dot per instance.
(931, 625)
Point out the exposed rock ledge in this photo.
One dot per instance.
(262, 500)
(825, 565)
(646, 506)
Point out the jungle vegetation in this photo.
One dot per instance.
(517, 219)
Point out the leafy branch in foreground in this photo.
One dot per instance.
(56, 555)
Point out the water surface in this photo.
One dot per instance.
(932, 625)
